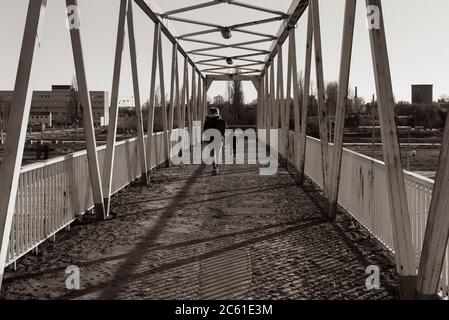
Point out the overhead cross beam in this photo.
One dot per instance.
(198, 33)
(242, 57)
(259, 8)
(217, 2)
(220, 67)
(194, 7)
(295, 12)
(217, 46)
(150, 12)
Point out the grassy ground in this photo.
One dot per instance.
(426, 158)
(73, 142)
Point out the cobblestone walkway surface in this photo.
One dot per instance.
(191, 235)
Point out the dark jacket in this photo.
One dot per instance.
(215, 123)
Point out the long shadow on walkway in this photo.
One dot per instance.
(134, 258)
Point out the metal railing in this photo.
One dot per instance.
(53, 193)
(364, 195)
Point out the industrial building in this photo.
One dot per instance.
(62, 102)
(422, 94)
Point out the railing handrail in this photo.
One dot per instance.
(73, 155)
(412, 175)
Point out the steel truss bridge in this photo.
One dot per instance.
(98, 172)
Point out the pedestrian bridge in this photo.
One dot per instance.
(317, 229)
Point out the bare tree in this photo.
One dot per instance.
(229, 92)
(444, 97)
(332, 97)
(235, 98)
(76, 105)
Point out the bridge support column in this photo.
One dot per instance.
(193, 106)
(108, 167)
(343, 87)
(17, 126)
(174, 90)
(163, 104)
(203, 118)
(281, 101)
(89, 131)
(259, 107)
(274, 124)
(266, 108)
(402, 235)
(198, 96)
(178, 95)
(305, 99)
(184, 94)
(437, 229)
(288, 100)
(267, 124)
(135, 76)
(293, 77)
(186, 101)
(156, 41)
(260, 104)
(322, 112)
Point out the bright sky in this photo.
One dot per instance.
(416, 34)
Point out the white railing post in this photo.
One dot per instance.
(402, 235)
(343, 87)
(108, 167)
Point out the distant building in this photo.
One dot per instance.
(219, 100)
(63, 103)
(41, 118)
(422, 94)
(126, 102)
